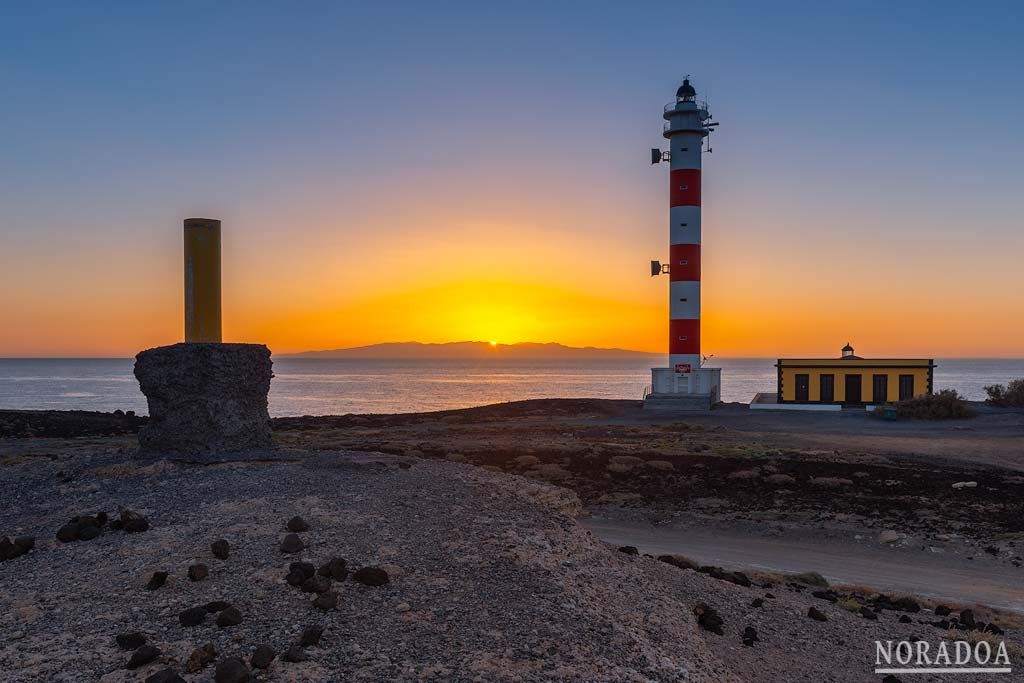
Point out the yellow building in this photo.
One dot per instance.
(852, 379)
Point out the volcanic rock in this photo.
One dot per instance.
(144, 655)
(21, 545)
(130, 641)
(326, 601)
(87, 533)
(708, 618)
(757, 602)
(371, 576)
(294, 653)
(307, 569)
(205, 398)
(198, 572)
(868, 613)
(678, 561)
(25, 543)
(263, 656)
(133, 522)
(193, 616)
(907, 604)
(297, 524)
(317, 584)
(220, 549)
(216, 606)
(311, 635)
(156, 581)
(291, 544)
(336, 568)
(201, 657)
(904, 619)
(816, 614)
(629, 550)
(232, 670)
(749, 636)
(942, 611)
(165, 676)
(68, 533)
(967, 618)
(229, 617)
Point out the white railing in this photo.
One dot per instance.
(671, 106)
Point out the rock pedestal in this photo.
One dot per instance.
(205, 398)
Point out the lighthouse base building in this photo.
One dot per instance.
(698, 389)
(685, 384)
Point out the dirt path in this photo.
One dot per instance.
(940, 576)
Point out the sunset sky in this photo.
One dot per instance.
(480, 171)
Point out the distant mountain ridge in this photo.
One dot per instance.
(473, 350)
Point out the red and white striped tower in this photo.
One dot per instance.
(687, 123)
(685, 131)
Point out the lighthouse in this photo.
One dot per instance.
(684, 384)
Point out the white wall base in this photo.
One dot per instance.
(700, 381)
(815, 407)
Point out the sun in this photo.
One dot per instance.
(494, 343)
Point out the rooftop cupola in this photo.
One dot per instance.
(848, 353)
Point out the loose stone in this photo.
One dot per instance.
(317, 584)
(220, 549)
(291, 544)
(229, 617)
(326, 601)
(156, 581)
(371, 576)
(232, 670)
(198, 572)
(193, 616)
(263, 656)
(311, 635)
(201, 657)
(165, 676)
(142, 656)
(336, 568)
(295, 653)
(130, 641)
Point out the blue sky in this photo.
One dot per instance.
(894, 124)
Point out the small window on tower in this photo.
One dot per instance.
(682, 225)
(684, 299)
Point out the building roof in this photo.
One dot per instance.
(856, 362)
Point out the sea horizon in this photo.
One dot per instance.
(330, 386)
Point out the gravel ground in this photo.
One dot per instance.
(492, 578)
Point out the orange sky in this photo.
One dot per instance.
(532, 275)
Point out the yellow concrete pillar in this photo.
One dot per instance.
(202, 280)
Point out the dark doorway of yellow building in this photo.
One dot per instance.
(827, 388)
(852, 389)
(803, 388)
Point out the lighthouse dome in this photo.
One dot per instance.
(686, 92)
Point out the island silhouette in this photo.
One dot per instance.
(475, 350)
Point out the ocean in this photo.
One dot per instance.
(306, 386)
